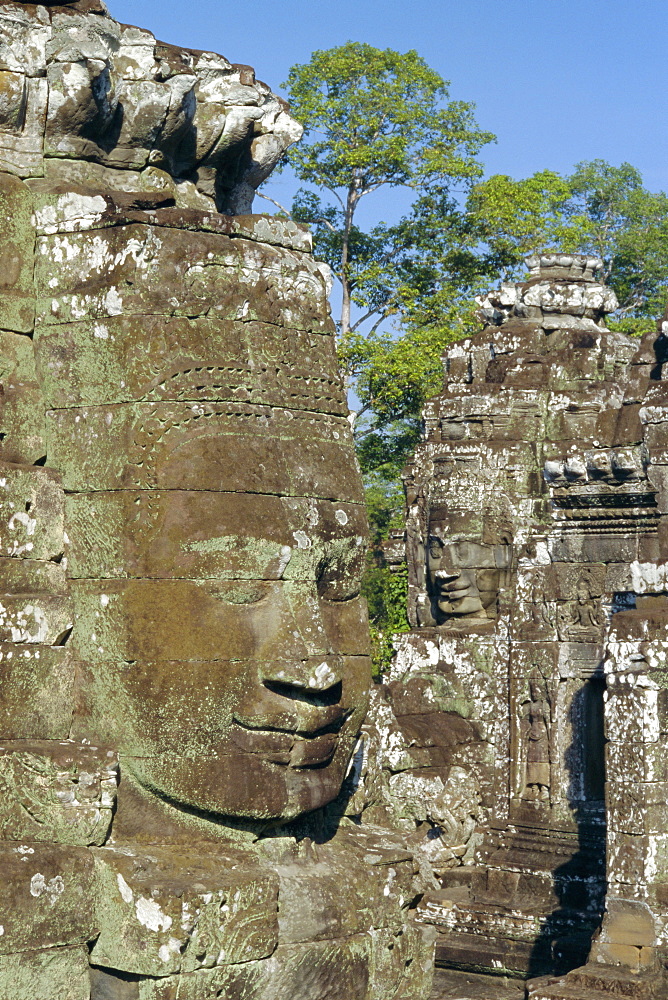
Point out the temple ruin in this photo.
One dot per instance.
(202, 793)
(531, 691)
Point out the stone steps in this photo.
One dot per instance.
(520, 939)
(564, 992)
(503, 955)
(599, 982)
(452, 985)
(472, 951)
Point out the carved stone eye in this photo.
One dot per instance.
(340, 578)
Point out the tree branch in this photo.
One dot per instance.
(336, 195)
(276, 203)
(326, 222)
(362, 319)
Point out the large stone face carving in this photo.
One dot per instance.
(183, 650)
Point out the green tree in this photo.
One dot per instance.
(512, 219)
(599, 209)
(376, 119)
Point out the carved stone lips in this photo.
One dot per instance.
(280, 746)
(455, 591)
(292, 724)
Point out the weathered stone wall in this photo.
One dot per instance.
(184, 653)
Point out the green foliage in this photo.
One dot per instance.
(599, 209)
(394, 375)
(633, 326)
(374, 118)
(383, 453)
(514, 218)
(382, 457)
(386, 592)
(627, 225)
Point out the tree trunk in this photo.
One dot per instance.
(351, 204)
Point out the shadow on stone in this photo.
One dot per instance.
(565, 936)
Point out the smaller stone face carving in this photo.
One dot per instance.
(537, 742)
(463, 574)
(463, 577)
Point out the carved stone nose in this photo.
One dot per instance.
(316, 674)
(448, 566)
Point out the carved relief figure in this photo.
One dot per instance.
(537, 744)
(582, 620)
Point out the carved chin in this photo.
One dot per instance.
(243, 785)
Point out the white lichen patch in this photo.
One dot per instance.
(302, 539)
(124, 889)
(71, 213)
(52, 889)
(323, 677)
(150, 914)
(649, 577)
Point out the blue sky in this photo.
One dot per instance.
(558, 81)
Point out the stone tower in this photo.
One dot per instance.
(536, 554)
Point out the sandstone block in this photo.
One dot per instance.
(228, 542)
(616, 954)
(46, 897)
(637, 859)
(56, 792)
(312, 906)
(44, 619)
(635, 762)
(17, 296)
(631, 712)
(31, 512)
(23, 40)
(114, 621)
(22, 426)
(163, 911)
(628, 923)
(123, 271)
(331, 970)
(98, 363)
(31, 576)
(22, 152)
(45, 975)
(36, 692)
(402, 963)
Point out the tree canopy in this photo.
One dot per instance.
(377, 118)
